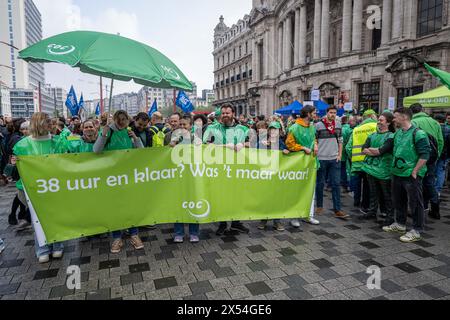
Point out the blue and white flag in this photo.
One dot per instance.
(97, 110)
(184, 103)
(153, 109)
(72, 103)
(81, 104)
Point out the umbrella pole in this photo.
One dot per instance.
(102, 110)
(110, 96)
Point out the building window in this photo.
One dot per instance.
(429, 17)
(407, 92)
(369, 96)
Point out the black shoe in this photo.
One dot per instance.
(238, 226)
(12, 220)
(221, 230)
(435, 212)
(364, 211)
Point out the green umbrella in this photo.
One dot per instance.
(443, 76)
(110, 56)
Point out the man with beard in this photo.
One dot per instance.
(233, 136)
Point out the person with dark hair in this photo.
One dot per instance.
(200, 124)
(302, 138)
(378, 149)
(117, 136)
(442, 163)
(433, 129)
(232, 135)
(141, 129)
(330, 142)
(410, 156)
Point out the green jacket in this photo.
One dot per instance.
(219, 134)
(424, 122)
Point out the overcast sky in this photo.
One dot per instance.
(182, 30)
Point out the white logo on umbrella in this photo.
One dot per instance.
(199, 205)
(60, 50)
(171, 72)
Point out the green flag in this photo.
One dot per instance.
(442, 75)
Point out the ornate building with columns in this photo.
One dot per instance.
(360, 51)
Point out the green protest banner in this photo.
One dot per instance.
(76, 195)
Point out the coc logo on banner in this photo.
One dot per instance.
(202, 208)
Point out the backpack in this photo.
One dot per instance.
(158, 137)
(434, 154)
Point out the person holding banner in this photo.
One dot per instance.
(117, 136)
(230, 134)
(185, 136)
(274, 142)
(40, 142)
(302, 138)
(86, 143)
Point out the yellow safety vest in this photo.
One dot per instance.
(360, 136)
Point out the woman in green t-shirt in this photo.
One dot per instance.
(40, 142)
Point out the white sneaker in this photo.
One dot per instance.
(296, 223)
(395, 227)
(57, 254)
(312, 221)
(44, 259)
(412, 236)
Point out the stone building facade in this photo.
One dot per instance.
(360, 51)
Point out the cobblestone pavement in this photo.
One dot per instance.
(324, 262)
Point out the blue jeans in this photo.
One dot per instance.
(333, 169)
(47, 249)
(193, 229)
(118, 234)
(440, 174)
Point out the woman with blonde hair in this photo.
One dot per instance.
(40, 142)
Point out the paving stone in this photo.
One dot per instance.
(258, 288)
(315, 289)
(130, 279)
(202, 287)
(165, 283)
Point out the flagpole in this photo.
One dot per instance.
(146, 101)
(174, 100)
(110, 96)
(102, 110)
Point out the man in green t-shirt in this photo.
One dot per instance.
(411, 153)
(230, 134)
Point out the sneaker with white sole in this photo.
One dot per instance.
(136, 242)
(117, 246)
(194, 239)
(178, 239)
(57, 254)
(278, 226)
(296, 223)
(44, 259)
(395, 227)
(412, 236)
(312, 221)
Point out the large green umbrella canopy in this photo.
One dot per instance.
(442, 75)
(436, 98)
(110, 56)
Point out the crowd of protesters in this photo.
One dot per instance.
(393, 164)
